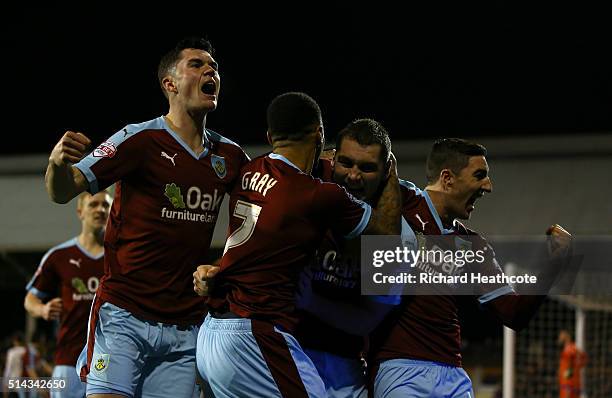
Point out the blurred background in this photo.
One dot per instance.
(533, 83)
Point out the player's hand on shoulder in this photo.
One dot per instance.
(71, 148)
(203, 278)
(52, 309)
(559, 241)
(328, 154)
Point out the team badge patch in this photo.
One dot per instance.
(462, 244)
(105, 150)
(218, 164)
(100, 362)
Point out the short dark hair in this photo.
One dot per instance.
(451, 153)
(169, 59)
(293, 115)
(366, 132)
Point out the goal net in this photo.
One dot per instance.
(531, 357)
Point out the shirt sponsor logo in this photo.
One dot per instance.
(173, 192)
(195, 200)
(105, 150)
(84, 291)
(421, 241)
(218, 165)
(334, 270)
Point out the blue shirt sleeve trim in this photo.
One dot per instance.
(41, 295)
(89, 175)
(117, 139)
(389, 300)
(365, 219)
(502, 291)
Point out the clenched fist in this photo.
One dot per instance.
(71, 148)
(559, 240)
(202, 279)
(52, 309)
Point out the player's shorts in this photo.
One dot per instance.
(250, 358)
(343, 377)
(421, 379)
(134, 357)
(74, 387)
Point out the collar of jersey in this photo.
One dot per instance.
(85, 252)
(284, 159)
(178, 139)
(434, 212)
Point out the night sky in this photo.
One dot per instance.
(492, 69)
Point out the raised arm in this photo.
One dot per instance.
(516, 310)
(62, 180)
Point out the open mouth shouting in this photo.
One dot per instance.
(209, 88)
(357, 191)
(471, 203)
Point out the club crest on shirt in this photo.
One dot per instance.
(105, 150)
(462, 244)
(100, 362)
(218, 164)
